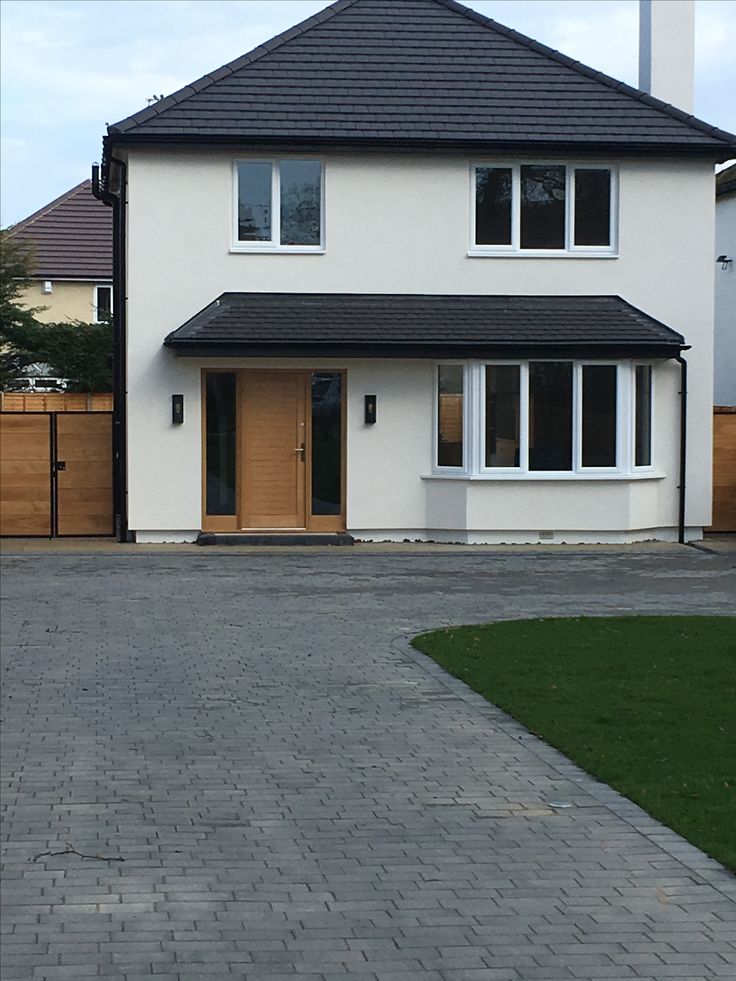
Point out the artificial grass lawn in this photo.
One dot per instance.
(647, 704)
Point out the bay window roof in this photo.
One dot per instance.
(422, 325)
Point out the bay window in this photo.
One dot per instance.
(543, 417)
(543, 208)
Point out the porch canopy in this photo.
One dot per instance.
(385, 325)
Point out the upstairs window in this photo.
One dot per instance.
(278, 205)
(543, 209)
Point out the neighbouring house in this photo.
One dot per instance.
(71, 240)
(406, 273)
(725, 301)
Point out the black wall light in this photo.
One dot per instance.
(177, 410)
(370, 410)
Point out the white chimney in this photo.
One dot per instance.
(667, 50)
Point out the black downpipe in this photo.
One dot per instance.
(119, 384)
(683, 448)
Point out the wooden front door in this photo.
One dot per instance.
(273, 413)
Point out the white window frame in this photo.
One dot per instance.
(274, 244)
(96, 304)
(474, 423)
(570, 250)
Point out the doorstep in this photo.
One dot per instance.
(274, 538)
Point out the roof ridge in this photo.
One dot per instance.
(48, 208)
(266, 47)
(637, 94)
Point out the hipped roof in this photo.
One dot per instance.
(416, 73)
(71, 237)
(426, 325)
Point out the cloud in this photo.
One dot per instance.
(70, 66)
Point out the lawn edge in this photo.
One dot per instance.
(707, 870)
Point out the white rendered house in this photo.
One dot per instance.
(402, 272)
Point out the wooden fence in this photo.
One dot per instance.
(724, 468)
(55, 402)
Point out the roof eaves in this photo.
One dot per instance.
(130, 122)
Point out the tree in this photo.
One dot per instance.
(16, 269)
(81, 353)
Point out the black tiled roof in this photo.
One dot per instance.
(415, 72)
(405, 325)
(71, 237)
(726, 182)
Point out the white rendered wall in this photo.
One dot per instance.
(667, 51)
(725, 337)
(401, 224)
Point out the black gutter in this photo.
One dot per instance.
(234, 349)
(119, 380)
(683, 449)
(383, 144)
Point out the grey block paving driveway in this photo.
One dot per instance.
(297, 796)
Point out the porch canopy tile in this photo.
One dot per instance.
(426, 325)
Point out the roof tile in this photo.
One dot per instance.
(397, 59)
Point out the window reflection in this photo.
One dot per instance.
(221, 427)
(450, 416)
(502, 415)
(326, 443)
(542, 207)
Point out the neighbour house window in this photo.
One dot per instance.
(278, 205)
(543, 208)
(544, 417)
(103, 304)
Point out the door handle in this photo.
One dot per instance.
(300, 449)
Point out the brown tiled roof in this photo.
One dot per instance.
(71, 237)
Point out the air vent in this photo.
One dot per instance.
(546, 536)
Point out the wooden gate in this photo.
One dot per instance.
(56, 473)
(724, 468)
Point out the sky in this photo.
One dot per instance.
(69, 67)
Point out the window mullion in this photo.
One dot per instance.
(570, 209)
(516, 206)
(577, 417)
(276, 203)
(524, 417)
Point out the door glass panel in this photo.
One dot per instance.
(550, 415)
(592, 207)
(502, 415)
(493, 206)
(542, 207)
(599, 415)
(326, 443)
(254, 202)
(221, 427)
(300, 202)
(643, 441)
(450, 416)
